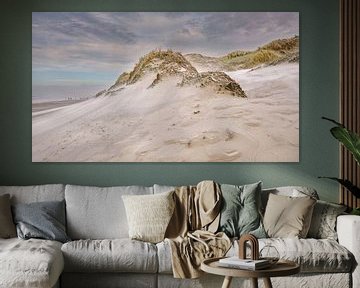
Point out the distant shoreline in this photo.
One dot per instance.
(41, 106)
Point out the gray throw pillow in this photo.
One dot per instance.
(44, 220)
(323, 222)
(7, 227)
(240, 213)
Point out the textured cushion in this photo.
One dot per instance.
(36, 193)
(98, 213)
(240, 212)
(7, 227)
(44, 220)
(30, 263)
(117, 255)
(287, 216)
(323, 222)
(149, 215)
(313, 255)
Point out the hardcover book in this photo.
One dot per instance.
(236, 262)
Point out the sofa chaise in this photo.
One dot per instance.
(101, 254)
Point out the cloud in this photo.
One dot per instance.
(114, 41)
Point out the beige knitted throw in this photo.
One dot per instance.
(191, 231)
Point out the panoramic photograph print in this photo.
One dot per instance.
(165, 87)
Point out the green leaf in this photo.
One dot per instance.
(333, 121)
(355, 211)
(347, 184)
(348, 138)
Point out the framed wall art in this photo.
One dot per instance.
(165, 87)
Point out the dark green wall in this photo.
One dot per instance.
(319, 74)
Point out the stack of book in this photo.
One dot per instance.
(248, 264)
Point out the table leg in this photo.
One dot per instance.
(227, 282)
(267, 283)
(254, 282)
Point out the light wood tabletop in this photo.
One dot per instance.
(281, 268)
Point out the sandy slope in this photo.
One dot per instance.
(169, 123)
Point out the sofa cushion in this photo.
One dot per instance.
(164, 257)
(287, 216)
(43, 220)
(149, 215)
(7, 227)
(240, 210)
(98, 213)
(313, 255)
(36, 193)
(117, 255)
(30, 263)
(323, 222)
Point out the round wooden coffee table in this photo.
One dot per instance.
(281, 268)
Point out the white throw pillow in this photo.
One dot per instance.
(149, 215)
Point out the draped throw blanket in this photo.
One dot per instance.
(191, 231)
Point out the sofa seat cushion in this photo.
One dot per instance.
(30, 263)
(313, 255)
(115, 255)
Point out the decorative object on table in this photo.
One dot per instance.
(351, 142)
(254, 246)
(269, 253)
(241, 261)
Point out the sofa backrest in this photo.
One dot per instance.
(36, 193)
(162, 188)
(98, 212)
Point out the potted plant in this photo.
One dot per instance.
(351, 141)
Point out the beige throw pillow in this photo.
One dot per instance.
(149, 215)
(7, 226)
(288, 217)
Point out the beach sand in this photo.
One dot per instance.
(168, 123)
(41, 106)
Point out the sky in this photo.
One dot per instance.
(81, 53)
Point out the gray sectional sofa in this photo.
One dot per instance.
(101, 254)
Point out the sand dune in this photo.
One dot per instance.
(176, 124)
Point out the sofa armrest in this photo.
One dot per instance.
(348, 230)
